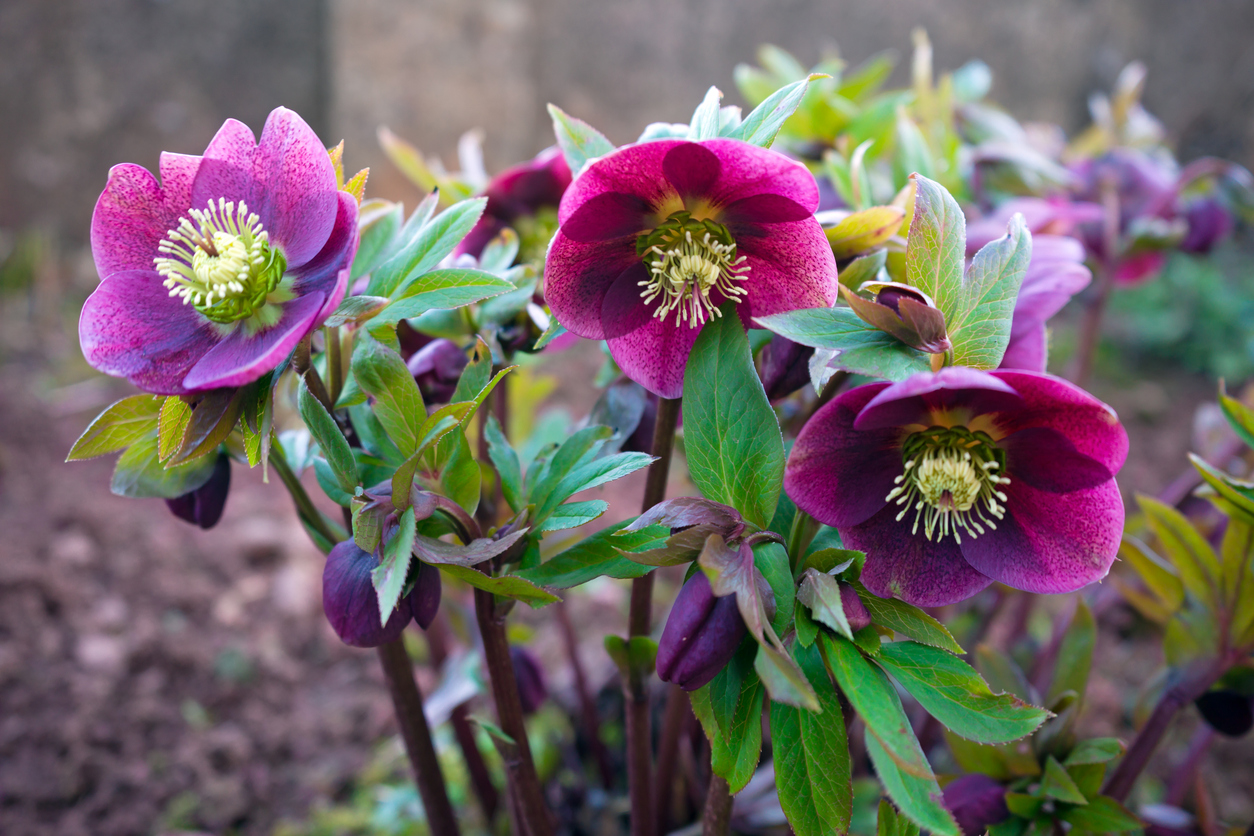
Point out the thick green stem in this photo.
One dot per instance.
(305, 508)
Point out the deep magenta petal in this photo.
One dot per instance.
(607, 216)
(748, 170)
(1086, 422)
(691, 169)
(953, 388)
(577, 276)
(524, 188)
(655, 355)
(791, 268)
(1045, 459)
(765, 209)
(632, 169)
(328, 271)
(623, 309)
(1051, 542)
(836, 474)
(242, 357)
(919, 571)
(134, 213)
(131, 327)
(1028, 348)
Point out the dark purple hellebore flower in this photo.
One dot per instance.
(1228, 712)
(203, 506)
(1055, 273)
(1209, 223)
(437, 367)
(977, 802)
(901, 311)
(701, 635)
(785, 367)
(350, 602)
(654, 237)
(424, 601)
(518, 192)
(211, 277)
(955, 479)
(532, 688)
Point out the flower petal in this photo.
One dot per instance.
(1086, 422)
(748, 170)
(631, 170)
(607, 216)
(1027, 349)
(791, 267)
(577, 276)
(953, 388)
(765, 209)
(623, 309)
(1051, 542)
(325, 272)
(287, 179)
(836, 474)
(691, 169)
(655, 355)
(1048, 461)
(131, 327)
(134, 213)
(243, 357)
(919, 571)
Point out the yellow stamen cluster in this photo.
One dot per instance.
(686, 269)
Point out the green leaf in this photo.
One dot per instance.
(955, 694)
(888, 823)
(382, 374)
(376, 236)
(139, 473)
(1002, 672)
(575, 450)
(860, 348)
(172, 425)
(215, 416)
(330, 440)
(784, 681)
(1075, 655)
(1239, 494)
(508, 586)
(936, 246)
(978, 322)
(1157, 574)
(919, 799)
(762, 124)
(355, 309)
(704, 122)
(1235, 552)
(865, 269)
(908, 620)
(1102, 815)
(389, 576)
(1094, 750)
(913, 153)
(590, 475)
(461, 480)
(505, 460)
(812, 765)
(738, 747)
(476, 375)
(732, 439)
(821, 593)
(574, 514)
(579, 141)
(1240, 416)
(592, 557)
(124, 423)
(1185, 547)
(447, 288)
(435, 239)
(1056, 783)
(863, 231)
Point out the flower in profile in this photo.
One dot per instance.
(955, 479)
(701, 635)
(655, 237)
(203, 506)
(437, 367)
(211, 277)
(977, 802)
(533, 687)
(524, 198)
(350, 602)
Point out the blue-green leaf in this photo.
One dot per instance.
(579, 141)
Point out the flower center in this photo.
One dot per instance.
(688, 260)
(951, 482)
(220, 261)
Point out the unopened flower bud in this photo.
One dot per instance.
(424, 601)
(855, 611)
(785, 367)
(1209, 223)
(436, 367)
(350, 602)
(532, 688)
(1230, 713)
(203, 506)
(701, 635)
(902, 311)
(977, 802)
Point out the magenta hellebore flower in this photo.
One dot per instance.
(204, 506)
(211, 277)
(955, 479)
(521, 191)
(654, 237)
(701, 635)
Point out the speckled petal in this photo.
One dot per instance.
(134, 213)
(242, 357)
(954, 388)
(286, 178)
(632, 170)
(655, 355)
(1051, 542)
(131, 327)
(1086, 422)
(836, 474)
(909, 566)
(607, 216)
(791, 267)
(623, 309)
(691, 168)
(748, 170)
(1048, 461)
(328, 271)
(577, 276)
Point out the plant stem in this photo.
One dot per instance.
(1182, 779)
(804, 527)
(335, 363)
(305, 509)
(716, 821)
(303, 365)
(677, 709)
(639, 623)
(407, 701)
(1091, 326)
(587, 705)
(1151, 734)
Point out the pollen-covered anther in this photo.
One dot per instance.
(219, 260)
(686, 269)
(950, 481)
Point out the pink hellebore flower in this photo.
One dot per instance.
(955, 479)
(654, 237)
(211, 277)
(519, 192)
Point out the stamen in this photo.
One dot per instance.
(688, 261)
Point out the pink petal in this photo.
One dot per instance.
(242, 357)
(134, 213)
(748, 170)
(623, 309)
(691, 169)
(631, 170)
(655, 355)
(607, 216)
(953, 388)
(764, 209)
(836, 474)
(1086, 422)
(791, 267)
(1027, 349)
(1051, 542)
(325, 272)
(131, 327)
(1045, 459)
(926, 573)
(577, 276)
(1139, 268)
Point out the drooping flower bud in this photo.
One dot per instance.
(905, 312)
(700, 637)
(1209, 223)
(785, 367)
(532, 688)
(1230, 713)
(855, 611)
(350, 603)
(977, 802)
(424, 601)
(203, 506)
(436, 367)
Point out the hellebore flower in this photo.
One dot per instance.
(1055, 273)
(654, 237)
(436, 368)
(532, 688)
(518, 198)
(955, 479)
(350, 602)
(211, 277)
(701, 635)
(1209, 223)
(424, 601)
(203, 506)
(977, 803)
(904, 312)
(785, 367)
(1048, 216)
